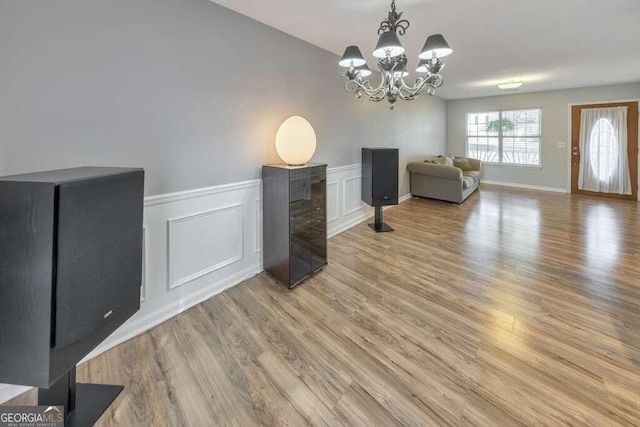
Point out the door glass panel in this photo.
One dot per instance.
(603, 149)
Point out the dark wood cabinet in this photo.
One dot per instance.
(294, 221)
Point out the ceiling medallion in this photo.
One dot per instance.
(392, 64)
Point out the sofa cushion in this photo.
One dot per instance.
(434, 170)
(444, 160)
(467, 181)
(440, 160)
(472, 174)
(462, 163)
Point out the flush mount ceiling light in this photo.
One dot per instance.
(511, 85)
(392, 64)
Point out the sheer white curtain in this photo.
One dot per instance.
(604, 164)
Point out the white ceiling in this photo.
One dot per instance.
(550, 44)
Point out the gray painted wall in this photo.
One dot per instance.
(187, 89)
(555, 128)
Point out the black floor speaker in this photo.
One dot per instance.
(70, 273)
(380, 181)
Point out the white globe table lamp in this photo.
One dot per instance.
(295, 141)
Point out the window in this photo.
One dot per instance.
(505, 136)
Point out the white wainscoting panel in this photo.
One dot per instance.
(143, 285)
(194, 246)
(333, 201)
(352, 195)
(203, 243)
(198, 243)
(258, 232)
(345, 207)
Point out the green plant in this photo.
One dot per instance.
(494, 126)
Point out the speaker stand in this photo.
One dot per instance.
(83, 404)
(379, 226)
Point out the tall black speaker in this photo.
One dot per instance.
(70, 275)
(380, 181)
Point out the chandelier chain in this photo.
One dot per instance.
(394, 23)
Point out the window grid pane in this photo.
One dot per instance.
(482, 136)
(507, 136)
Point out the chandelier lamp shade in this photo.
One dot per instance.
(436, 46)
(388, 45)
(352, 57)
(392, 64)
(364, 70)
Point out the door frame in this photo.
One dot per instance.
(569, 135)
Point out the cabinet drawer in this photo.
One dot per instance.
(318, 174)
(302, 221)
(300, 185)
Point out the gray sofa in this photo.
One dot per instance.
(444, 182)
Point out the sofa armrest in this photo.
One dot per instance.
(475, 164)
(437, 171)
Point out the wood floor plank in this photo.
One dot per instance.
(358, 408)
(318, 375)
(516, 308)
(192, 400)
(296, 391)
(480, 412)
(237, 346)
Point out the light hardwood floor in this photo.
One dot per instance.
(519, 307)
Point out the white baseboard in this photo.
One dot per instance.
(404, 198)
(345, 225)
(137, 326)
(528, 187)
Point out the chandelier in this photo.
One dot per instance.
(392, 64)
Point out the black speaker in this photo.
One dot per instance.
(380, 176)
(380, 181)
(70, 268)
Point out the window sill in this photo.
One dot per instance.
(513, 165)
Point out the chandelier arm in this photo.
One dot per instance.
(415, 89)
(407, 93)
(356, 87)
(404, 95)
(433, 81)
(378, 89)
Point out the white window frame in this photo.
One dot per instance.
(500, 136)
